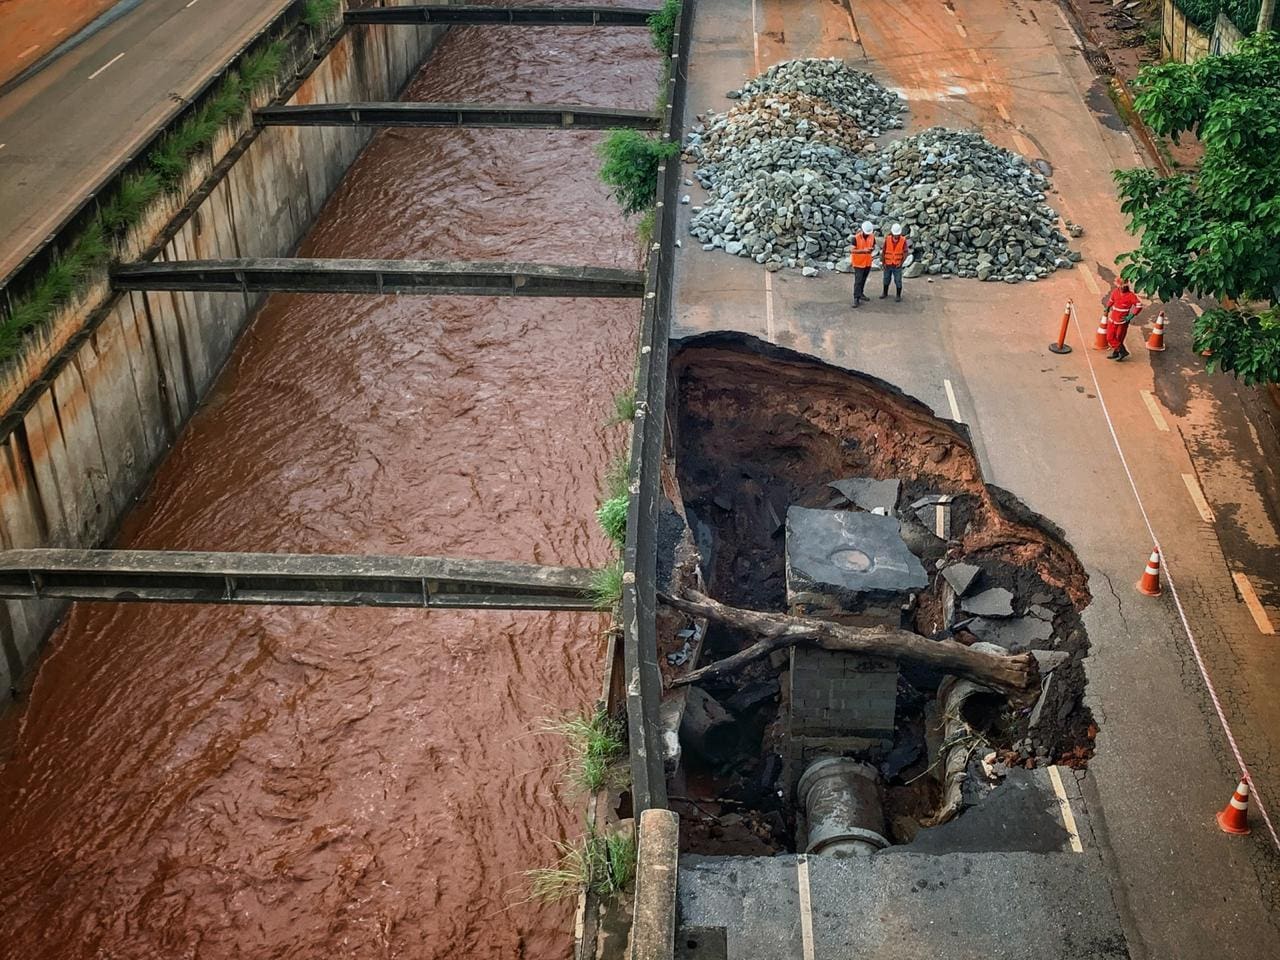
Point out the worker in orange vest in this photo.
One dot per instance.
(1122, 305)
(894, 253)
(864, 248)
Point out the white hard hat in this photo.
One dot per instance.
(896, 230)
(868, 226)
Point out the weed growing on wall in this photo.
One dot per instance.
(630, 167)
(165, 167)
(317, 13)
(624, 407)
(603, 863)
(613, 518)
(606, 586)
(596, 742)
(662, 25)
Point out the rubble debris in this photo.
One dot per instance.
(706, 727)
(961, 576)
(753, 694)
(790, 180)
(996, 602)
(1015, 635)
(868, 494)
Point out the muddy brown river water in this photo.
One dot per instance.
(272, 782)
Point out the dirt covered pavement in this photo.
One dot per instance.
(1115, 454)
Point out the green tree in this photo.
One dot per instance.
(1215, 232)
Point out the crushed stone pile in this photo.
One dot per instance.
(789, 180)
(853, 92)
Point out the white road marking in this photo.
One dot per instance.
(1197, 497)
(1154, 409)
(755, 37)
(961, 30)
(806, 907)
(1068, 818)
(1004, 114)
(768, 308)
(191, 4)
(105, 65)
(951, 401)
(1092, 283)
(1169, 578)
(1254, 604)
(30, 50)
(1196, 309)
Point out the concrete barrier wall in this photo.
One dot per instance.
(84, 448)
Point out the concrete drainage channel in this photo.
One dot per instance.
(802, 490)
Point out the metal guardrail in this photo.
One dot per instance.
(421, 277)
(409, 114)
(639, 587)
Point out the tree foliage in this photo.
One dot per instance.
(1215, 233)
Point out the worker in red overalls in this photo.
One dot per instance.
(1122, 305)
(864, 248)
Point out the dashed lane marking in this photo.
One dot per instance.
(1068, 818)
(191, 4)
(1251, 601)
(768, 308)
(1154, 409)
(806, 907)
(961, 30)
(30, 50)
(1004, 114)
(1197, 497)
(105, 65)
(951, 401)
(1092, 283)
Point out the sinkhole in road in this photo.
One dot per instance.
(803, 488)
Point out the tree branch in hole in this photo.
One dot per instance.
(1016, 673)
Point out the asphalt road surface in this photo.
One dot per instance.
(65, 129)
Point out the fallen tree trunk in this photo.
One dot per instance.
(1014, 672)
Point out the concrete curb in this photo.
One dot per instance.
(653, 928)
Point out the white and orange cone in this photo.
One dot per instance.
(1150, 582)
(1100, 336)
(1156, 340)
(1234, 817)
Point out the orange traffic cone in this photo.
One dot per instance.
(1100, 337)
(1150, 582)
(1234, 817)
(1156, 340)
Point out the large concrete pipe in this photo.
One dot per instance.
(841, 800)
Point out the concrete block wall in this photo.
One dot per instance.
(84, 449)
(841, 694)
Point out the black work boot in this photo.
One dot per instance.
(898, 298)
(885, 294)
(1122, 353)
(1113, 355)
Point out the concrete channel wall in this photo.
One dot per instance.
(74, 456)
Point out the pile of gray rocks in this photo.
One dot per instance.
(790, 179)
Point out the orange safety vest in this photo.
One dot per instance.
(895, 251)
(864, 244)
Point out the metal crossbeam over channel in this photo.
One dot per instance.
(394, 114)
(421, 277)
(508, 16)
(179, 576)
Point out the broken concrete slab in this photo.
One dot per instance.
(868, 494)
(1050, 660)
(1013, 635)
(1041, 611)
(961, 576)
(841, 555)
(996, 602)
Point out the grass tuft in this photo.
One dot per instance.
(662, 25)
(624, 407)
(596, 743)
(613, 518)
(317, 13)
(125, 209)
(262, 66)
(606, 586)
(616, 477)
(604, 864)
